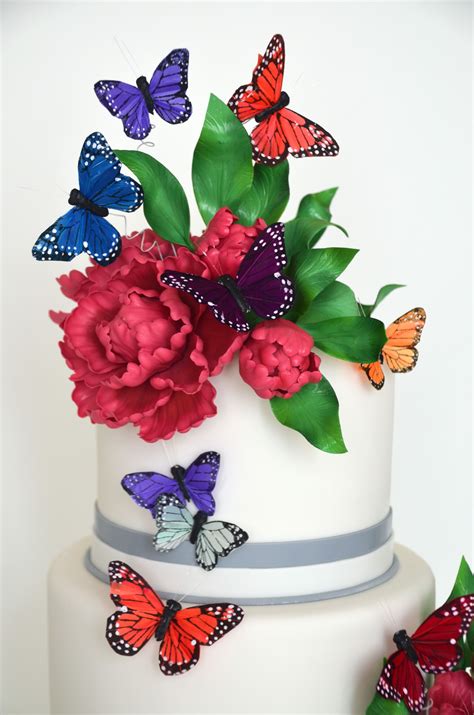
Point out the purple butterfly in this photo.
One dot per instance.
(165, 94)
(192, 484)
(258, 286)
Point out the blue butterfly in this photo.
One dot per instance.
(195, 483)
(84, 227)
(165, 94)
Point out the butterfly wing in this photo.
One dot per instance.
(174, 523)
(401, 680)
(77, 231)
(217, 539)
(140, 610)
(63, 240)
(200, 480)
(168, 87)
(128, 104)
(265, 88)
(214, 295)
(146, 487)
(374, 372)
(435, 641)
(399, 352)
(192, 628)
(269, 293)
(287, 132)
(100, 179)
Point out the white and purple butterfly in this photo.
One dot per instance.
(165, 94)
(259, 285)
(84, 228)
(195, 484)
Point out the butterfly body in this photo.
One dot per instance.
(77, 198)
(144, 87)
(259, 284)
(199, 520)
(179, 474)
(233, 288)
(142, 615)
(213, 539)
(282, 102)
(195, 484)
(280, 131)
(433, 648)
(164, 94)
(102, 186)
(171, 609)
(403, 642)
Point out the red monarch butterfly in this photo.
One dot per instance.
(142, 614)
(433, 647)
(279, 130)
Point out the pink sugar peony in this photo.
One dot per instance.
(277, 359)
(452, 694)
(225, 242)
(141, 352)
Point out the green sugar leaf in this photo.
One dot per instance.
(267, 197)
(222, 162)
(165, 205)
(353, 338)
(314, 413)
(315, 270)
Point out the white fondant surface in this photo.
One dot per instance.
(235, 583)
(320, 658)
(272, 482)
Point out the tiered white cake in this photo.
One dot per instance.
(314, 641)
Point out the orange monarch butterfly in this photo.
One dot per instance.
(279, 130)
(399, 352)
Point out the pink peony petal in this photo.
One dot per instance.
(179, 414)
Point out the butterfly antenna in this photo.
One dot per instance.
(195, 583)
(170, 453)
(388, 613)
(127, 55)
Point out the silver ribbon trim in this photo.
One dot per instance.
(264, 601)
(253, 555)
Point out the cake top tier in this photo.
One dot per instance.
(160, 313)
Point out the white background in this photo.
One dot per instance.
(391, 81)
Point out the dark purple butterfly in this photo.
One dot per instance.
(165, 94)
(259, 285)
(192, 484)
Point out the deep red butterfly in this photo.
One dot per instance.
(182, 631)
(433, 647)
(279, 130)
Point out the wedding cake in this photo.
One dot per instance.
(243, 399)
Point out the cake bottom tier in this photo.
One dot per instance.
(320, 658)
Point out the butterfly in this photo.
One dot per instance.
(399, 352)
(433, 647)
(192, 484)
(279, 130)
(142, 614)
(84, 227)
(213, 539)
(258, 286)
(165, 94)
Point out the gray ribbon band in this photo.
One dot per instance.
(253, 555)
(268, 601)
